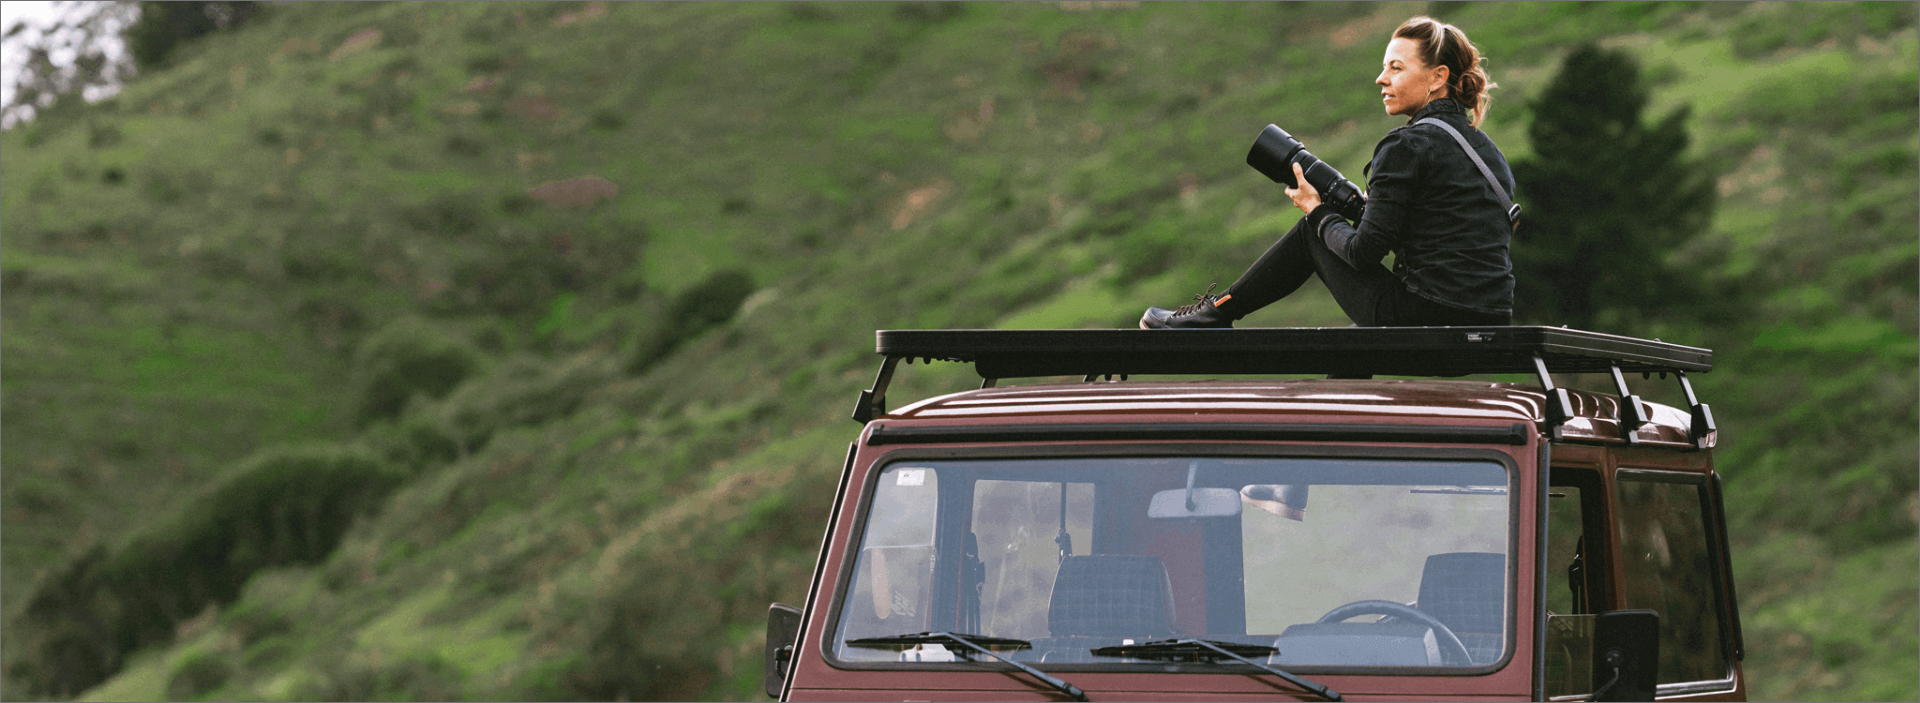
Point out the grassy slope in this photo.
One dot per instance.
(281, 196)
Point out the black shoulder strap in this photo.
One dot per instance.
(1513, 209)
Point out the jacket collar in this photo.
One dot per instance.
(1442, 106)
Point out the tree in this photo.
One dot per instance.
(97, 46)
(76, 58)
(1607, 198)
(164, 25)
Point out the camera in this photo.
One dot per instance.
(1274, 154)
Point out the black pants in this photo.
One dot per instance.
(1370, 295)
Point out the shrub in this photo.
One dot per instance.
(416, 442)
(415, 676)
(404, 359)
(706, 305)
(649, 632)
(198, 674)
(280, 506)
(164, 25)
(524, 391)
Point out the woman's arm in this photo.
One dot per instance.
(1391, 185)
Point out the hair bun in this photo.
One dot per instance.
(1447, 45)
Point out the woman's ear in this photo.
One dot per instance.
(1443, 74)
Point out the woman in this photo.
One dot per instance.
(1427, 202)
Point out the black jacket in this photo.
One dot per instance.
(1430, 206)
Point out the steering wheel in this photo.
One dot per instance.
(1451, 649)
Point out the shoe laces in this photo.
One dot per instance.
(1203, 298)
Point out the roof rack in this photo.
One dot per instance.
(1339, 352)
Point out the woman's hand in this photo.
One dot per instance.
(1305, 197)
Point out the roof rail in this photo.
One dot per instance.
(1340, 352)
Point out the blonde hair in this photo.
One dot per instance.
(1443, 44)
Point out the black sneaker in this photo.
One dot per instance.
(1199, 315)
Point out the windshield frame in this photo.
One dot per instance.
(862, 506)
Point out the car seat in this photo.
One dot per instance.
(1467, 591)
(1098, 599)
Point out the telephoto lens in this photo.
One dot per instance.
(1273, 155)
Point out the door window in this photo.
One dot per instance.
(1668, 563)
(1575, 579)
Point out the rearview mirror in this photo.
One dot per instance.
(1205, 502)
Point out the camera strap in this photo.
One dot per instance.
(1506, 203)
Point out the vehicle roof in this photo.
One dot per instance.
(1595, 416)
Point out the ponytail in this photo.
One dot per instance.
(1445, 45)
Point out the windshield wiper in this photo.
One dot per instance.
(1212, 651)
(978, 643)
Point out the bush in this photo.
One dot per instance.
(524, 391)
(198, 674)
(649, 631)
(165, 25)
(706, 305)
(405, 359)
(420, 676)
(281, 506)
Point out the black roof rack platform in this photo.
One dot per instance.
(1385, 351)
(1346, 352)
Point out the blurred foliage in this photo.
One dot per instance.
(67, 61)
(695, 310)
(165, 25)
(282, 506)
(1607, 196)
(635, 253)
(408, 358)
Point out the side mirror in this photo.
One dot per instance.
(783, 630)
(1626, 655)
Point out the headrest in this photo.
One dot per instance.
(1111, 595)
(1466, 590)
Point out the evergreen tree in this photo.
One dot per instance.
(1607, 198)
(164, 25)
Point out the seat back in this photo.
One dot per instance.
(1111, 595)
(1467, 591)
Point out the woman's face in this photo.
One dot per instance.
(1406, 82)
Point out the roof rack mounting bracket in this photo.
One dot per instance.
(1559, 407)
(1632, 418)
(1703, 427)
(873, 402)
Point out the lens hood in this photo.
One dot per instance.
(1275, 152)
(1272, 155)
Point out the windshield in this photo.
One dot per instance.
(1333, 562)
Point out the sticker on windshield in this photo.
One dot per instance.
(912, 477)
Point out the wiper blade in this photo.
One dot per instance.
(1212, 651)
(938, 638)
(978, 643)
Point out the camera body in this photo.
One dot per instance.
(1274, 154)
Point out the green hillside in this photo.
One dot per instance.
(505, 351)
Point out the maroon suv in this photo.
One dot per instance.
(1337, 536)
